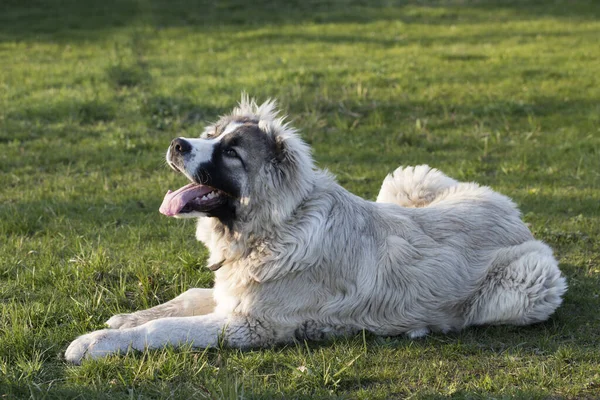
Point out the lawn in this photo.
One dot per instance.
(505, 93)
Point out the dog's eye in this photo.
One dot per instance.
(230, 153)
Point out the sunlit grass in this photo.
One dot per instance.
(502, 93)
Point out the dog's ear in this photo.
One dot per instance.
(291, 156)
(281, 150)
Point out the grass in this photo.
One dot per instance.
(505, 93)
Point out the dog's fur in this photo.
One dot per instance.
(299, 257)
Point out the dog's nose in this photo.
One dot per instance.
(181, 146)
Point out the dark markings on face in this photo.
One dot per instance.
(226, 172)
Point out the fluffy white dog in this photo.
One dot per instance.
(296, 256)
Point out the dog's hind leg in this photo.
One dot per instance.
(192, 302)
(413, 186)
(523, 286)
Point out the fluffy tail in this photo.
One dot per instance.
(413, 186)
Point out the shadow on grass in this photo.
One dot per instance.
(488, 38)
(83, 112)
(50, 217)
(72, 20)
(160, 113)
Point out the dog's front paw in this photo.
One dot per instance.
(122, 321)
(96, 344)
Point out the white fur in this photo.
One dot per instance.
(202, 150)
(307, 259)
(231, 127)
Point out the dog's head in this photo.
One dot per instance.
(245, 161)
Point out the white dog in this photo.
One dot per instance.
(296, 256)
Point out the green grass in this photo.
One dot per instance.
(505, 93)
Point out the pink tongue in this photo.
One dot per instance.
(174, 202)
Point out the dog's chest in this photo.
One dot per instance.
(233, 286)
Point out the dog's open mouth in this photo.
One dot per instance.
(191, 197)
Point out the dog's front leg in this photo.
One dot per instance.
(201, 332)
(192, 302)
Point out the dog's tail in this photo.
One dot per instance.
(413, 186)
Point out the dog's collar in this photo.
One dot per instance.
(214, 267)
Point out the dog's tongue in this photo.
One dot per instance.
(174, 202)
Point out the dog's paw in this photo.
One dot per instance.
(123, 321)
(96, 345)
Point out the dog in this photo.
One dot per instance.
(297, 257)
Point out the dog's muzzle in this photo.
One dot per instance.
(178, 149)
(180, 146)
